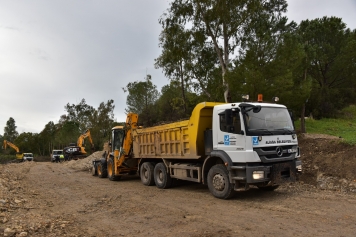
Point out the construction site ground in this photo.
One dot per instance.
(64, 199)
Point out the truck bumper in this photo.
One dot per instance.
(278, 173)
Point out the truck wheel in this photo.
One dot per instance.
(111, 170)
(94, 170)
(146, 174)
(102, 169)
(218, 182)
(162, 178)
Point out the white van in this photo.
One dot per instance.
(27, 157)
(55, 155)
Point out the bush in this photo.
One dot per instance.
(6, 158)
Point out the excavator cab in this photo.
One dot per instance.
(118, 134)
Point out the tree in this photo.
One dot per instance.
(170, 104)
(102, 121)
(68, 133)
(26, 141)
(330, 48)
(224, 24)
(81, 114)
(141, 98)
(175, 56)
(46, 139)
(10, 132)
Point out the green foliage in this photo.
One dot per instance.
(170, 105)
(140, 100)
(200, 36)
(10, 132)
(102, 121)
(46, 139)
(68, 133)
(330, 49)
(81, 114)
(26, 141)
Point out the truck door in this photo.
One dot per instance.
(230, 136)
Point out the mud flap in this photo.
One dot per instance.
(283, 173)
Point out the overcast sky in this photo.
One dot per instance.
(61, 51)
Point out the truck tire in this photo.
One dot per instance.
(218, 182)
(94, 170)
(162, 178)
(102, 169)
(146, 174)
(111, 170)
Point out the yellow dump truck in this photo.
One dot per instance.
(228, 146)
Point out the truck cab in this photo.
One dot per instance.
(27, 157)
(257, 142)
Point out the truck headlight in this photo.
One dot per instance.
(258, 174)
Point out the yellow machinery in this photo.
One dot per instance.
(80, 141)
(19, 155)
(76, 151)
(119, 161)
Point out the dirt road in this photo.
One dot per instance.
(49, 199)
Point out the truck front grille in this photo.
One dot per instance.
(276, 153)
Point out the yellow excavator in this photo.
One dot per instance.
(76, 151)
(19, 155)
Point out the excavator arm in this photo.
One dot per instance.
(7, 143)
(19, 155)
(81, 141)
(130, 126)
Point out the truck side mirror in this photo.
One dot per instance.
(256, 109)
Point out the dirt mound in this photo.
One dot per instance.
(328, 162)
(86, 163)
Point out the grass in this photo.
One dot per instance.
(344, 126)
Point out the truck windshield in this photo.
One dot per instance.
(269, 121)
(118, 136)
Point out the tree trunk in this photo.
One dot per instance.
(302, 120)
(183, 88)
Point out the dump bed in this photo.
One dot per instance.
(179, 140)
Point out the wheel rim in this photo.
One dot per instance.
(160, 177)
(145, 173)
(219, 182)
